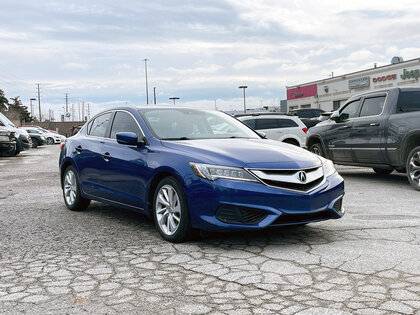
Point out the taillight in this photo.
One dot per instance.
(62, 145)
(305, 130)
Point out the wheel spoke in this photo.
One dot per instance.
(162, 200)
(171, 224)
(161, 210)
(177, 219)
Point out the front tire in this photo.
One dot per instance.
(317, 149)
(413, 168)
(50, 141)
(35, 143)
(71, 191)
(170, 211)
(381, 171)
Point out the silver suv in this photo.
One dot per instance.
(284, 128)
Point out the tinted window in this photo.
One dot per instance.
(409, 102)
(250, 123)
(124, 122)
(309, 113)
(286, 123)
(350, 110)
(372, 106)
(266, 124)
(100, 125)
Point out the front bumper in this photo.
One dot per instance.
(235, 205)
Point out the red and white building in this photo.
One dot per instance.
(329, 94)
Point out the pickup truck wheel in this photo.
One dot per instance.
(317, 149)
(382, 171)
(34, 143)
(413, 168)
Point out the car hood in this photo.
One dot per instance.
(252, 153)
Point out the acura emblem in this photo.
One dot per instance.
(302, 176)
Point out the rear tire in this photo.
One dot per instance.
(316, 148)
(413, 168)
(381, 171)
(35, 143)
(170, 211)
(71, 191)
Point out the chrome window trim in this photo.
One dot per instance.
(373, 96)
(113, 111)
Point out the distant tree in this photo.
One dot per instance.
(17, 106)
(3, 101)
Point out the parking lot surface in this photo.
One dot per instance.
(108, 260)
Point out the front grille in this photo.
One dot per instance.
(290, 179)
(338, 205)
(239, 215)
(302, 217)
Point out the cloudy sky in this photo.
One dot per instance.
(200, 51)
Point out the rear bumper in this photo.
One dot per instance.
(233, 205)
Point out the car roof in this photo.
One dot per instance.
(267, 116)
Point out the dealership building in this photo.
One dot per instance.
(329, 94)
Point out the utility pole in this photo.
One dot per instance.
(72, 112)
(147, 88)
(39, 103)
(83, 111)
(67, 105)
(88, 111)
(154, 94)
(215, 105)
(174, 98)
(78, 109)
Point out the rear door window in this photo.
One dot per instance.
(266, 123)
(408, 102)
(124, 122)
(100, 125)
(372, 106)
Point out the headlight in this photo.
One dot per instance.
(42, 137)
(328, 168)
(213, 172)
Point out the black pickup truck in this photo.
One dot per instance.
(378, 129)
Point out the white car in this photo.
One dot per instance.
(52, 138)
(284, 128)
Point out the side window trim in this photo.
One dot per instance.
(362, 103)
(132, 116)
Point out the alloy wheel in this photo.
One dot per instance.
(70, 187)
(168, 209)
(414, 168)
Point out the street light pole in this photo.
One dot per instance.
(244, 87)
(147, 88)
(154, 95)
(174, 98)
(32, 107)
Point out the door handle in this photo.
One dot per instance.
(106, 156)
(79, 148)
(374, 124)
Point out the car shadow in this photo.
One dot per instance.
(138, 224)
(393, 178)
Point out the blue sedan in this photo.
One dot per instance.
(191, 169)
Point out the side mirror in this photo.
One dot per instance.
(335, 116)
(262, 134)
(129, 138)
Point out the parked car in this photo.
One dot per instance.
(308, 115)
(289, 129)
(23, 140)
(52, 138)
(7, 141)
(62, 138)
(36, 135)
(170, 164)
(378, 129)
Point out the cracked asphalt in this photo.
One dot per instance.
(109, 260)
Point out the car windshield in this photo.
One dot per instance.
(7, 121)
(187, 124)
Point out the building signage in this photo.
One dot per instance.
(326, 88)
(302, 91)
(410, 74)
(359, 83)
(384, 78)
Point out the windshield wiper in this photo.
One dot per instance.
(180, 138)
